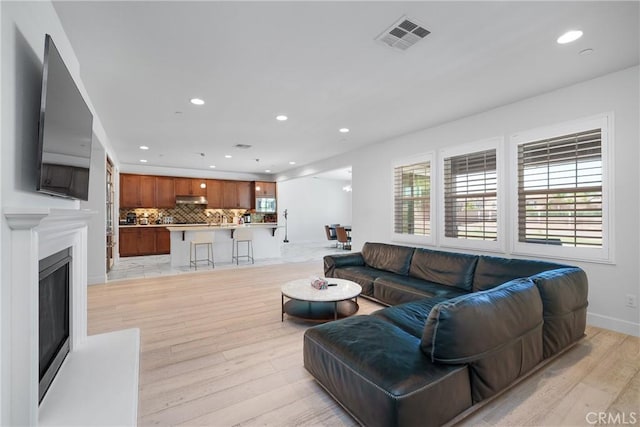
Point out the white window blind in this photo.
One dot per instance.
(412, 199)
(560, 190)
(470, 196)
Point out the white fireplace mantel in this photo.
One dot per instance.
(35, 234)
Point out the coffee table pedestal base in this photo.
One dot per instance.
(319, 311)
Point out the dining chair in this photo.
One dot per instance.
(331, 234)
(343, 238)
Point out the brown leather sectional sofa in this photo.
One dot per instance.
(459, 329)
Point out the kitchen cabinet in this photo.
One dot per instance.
(136, 241)
(236, 194)
(165, 192)
(163, 241)
(229, 195)
(137, 191)
(214, 194)
(244, 194)
(190, 187)
(264, 189)
(128, 242)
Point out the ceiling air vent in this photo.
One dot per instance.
(403, 34)
(242, 146)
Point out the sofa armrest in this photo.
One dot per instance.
(331, 262)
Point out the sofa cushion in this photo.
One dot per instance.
(564, 295)
(392, 258)
(469, 327)
(493, 271)
(498, 332)
(378, 373)
(446, 268)
(410, 317)
(395, 289)
(362, 275)
(333, 262)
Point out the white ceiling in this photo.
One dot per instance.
(318, 63)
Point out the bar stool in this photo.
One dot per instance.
(200, 239)
(242, 235)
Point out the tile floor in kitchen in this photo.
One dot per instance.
(158, 265)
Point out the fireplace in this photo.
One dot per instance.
(53, 309)
(97, 382)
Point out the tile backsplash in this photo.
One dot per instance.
(193, 214)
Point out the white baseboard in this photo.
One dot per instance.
(614, 324)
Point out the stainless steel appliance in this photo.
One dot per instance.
(265, 204)
(246, 218)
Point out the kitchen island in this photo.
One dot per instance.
(266, 243)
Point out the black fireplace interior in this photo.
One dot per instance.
(54, 316)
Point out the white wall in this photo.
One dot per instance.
(312, 203)
(617, 93)
(23, 27)
(96, 245)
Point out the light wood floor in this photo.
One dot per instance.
(214, 352)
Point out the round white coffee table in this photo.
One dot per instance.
(308, 303)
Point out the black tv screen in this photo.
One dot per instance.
(65, 131)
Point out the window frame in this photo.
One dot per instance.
(498, 245)
(603, 254)
(412, 238)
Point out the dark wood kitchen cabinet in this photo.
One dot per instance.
(190, 187)
(264, 189)
(137, 241)
(214, 194)
(244, 194)
(163, 241)
(137, 191)
(165, 192)
(128, 242)
(236, 194)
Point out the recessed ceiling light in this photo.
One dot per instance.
(292, 163)
(587, 51)
(143, 161)
(228, 156)
(267, 170)
(344, 130)
(212, 166)
(281, 118)
(144, 147)
(196, 101)
(569, 36)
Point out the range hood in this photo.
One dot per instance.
(191, 200)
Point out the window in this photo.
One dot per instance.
(470, 196)
(412, 200)
(562, 191)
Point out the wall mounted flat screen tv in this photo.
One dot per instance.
(65, 131)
